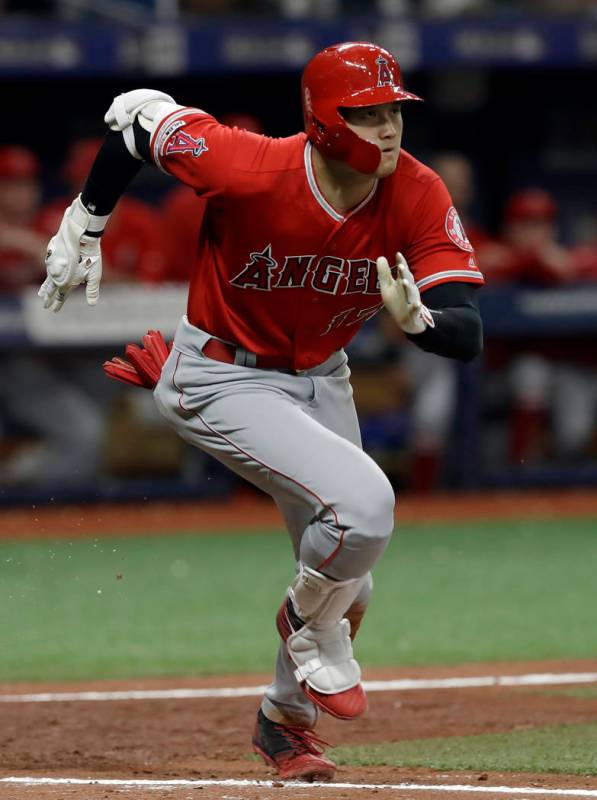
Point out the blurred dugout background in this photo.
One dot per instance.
(510, 123)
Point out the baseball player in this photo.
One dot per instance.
(303, 239)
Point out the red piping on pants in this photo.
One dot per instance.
(335, 552)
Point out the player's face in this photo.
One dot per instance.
(380, 125)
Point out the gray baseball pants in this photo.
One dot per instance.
(296, 437)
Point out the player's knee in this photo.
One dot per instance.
(373, 514)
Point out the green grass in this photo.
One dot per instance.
(582, 692)
(563, 748)
(180, 604)
(486, 591)
(121, 607)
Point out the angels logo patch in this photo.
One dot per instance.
(183, 142)
(455, 231)
(384, 73)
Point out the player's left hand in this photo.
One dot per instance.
(401, 296)
(72, 258)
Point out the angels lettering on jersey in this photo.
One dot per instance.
(328, 274)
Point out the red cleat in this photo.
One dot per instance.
(342, 705)
(295, 753)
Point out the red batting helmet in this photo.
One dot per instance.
(18, 163)
(348, 75)
(530, 204)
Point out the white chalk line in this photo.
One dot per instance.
(414, 787)
(402, 685)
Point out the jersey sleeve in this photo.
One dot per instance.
(439, 250)
(194, 147)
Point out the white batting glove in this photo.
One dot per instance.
(146, 105)
(401, 296)
(72, 258)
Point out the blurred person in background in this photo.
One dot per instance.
(528, 251)
(417, 417)
(132, 246)
(22, 244)
(376, 359)
(552, 387)
(432, 382)
(459, 174)
(407, 427)
(36, 394)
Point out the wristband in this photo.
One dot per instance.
(96, 224)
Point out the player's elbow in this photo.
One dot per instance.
(472, 344)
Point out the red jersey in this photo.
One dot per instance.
(181, 214)
(278, 270)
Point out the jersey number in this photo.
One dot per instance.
(352, 316)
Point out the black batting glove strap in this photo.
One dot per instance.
(112, 171)
(458, 331)
(142, 140)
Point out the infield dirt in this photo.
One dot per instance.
(210, 738)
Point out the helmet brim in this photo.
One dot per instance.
(377, 96)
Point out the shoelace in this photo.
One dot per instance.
(302, 738)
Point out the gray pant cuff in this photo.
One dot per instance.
(304, 715)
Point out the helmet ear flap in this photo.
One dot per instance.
(337, 141)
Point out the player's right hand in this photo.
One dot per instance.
(72, 258)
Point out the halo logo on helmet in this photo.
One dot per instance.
(384, 76)
(348, 75)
